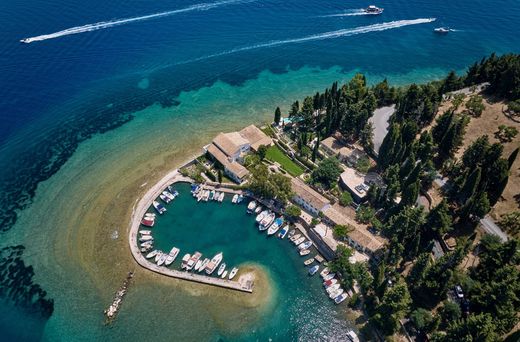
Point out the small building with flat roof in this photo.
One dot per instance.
(354, 182)
(308, 198)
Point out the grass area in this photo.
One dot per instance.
(268, 130)
(277, 155)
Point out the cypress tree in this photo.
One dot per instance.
(439, 219)
(443, 124)
(470, 185)
(387, 146)
(410, 194)
(277, 115)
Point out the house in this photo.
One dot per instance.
(308, 198)
(354, 182)
(255, 137)
(233, 169)
(233, 145)
(335, 148)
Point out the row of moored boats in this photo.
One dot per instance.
(201, 194)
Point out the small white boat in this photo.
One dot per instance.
(145, 238)
(165, 198)
(172, 256)
(162, 259)
(266, 221)
(298, 241)
(295, 237)
(338, 300)
(193, 260)
(373, 10)
(273, 228)
(221, 269)
(308, 261)
(233, 273)
(330, 282)
(168, 194)
(145, 232)
(305, 245)
(324, 272)
(442, 30)
(336, 293)
(146, 249)
(204, 264)
(313, 270)
(185, 260)
(148, 221)
(258, 209)
(283, 232)
(151, 254)
(197, 265)
(329, 276)
(261, 216)
(150, 215)
(216, 196)
(304, 252)
(159, 207)
(158, 256)
(251, 207)
(221, 197)
(147, 243)
(332, 288)
(211, 195)
(240, 199)
(213, 264)
(224, 274)
(234, 199)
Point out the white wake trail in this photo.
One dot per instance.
(347, 14)
(112, 23)
(321, 36)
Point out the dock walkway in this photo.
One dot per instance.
(244, 283)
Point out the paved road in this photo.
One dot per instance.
(380, 122)
(490, 227)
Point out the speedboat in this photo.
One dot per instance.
(211, 195)
(162, 259)
(295, 237)
(193, 260)
(145, 232)
(291, 233)
(151, 254)
(145, 238)
(261, 216)
(213, 264)
(336, 293)
(203, 265)
(150, 215)
(185, 260)
(197, 265)
(330, 282)
(313, 270)
(373, 10)
(266, 221)
(351, 335)
(221, 197)
(441, 30)
(338, 300)
(233, 273)
(329, 276)
(147, 243)
(234, 199)
(205, 198)
(158, 256)
(168, 194)
(251, 207)
(146, 249)
(240, 199)
(332, 288)
(324, 272)
(217, 195)
(283, 232)
(221, 269)
(171, 256)
(258, 209)
(308, 261)
(164, 198)
(224, 274)
(304, 252)
(148, 222)
(298, 241)
(305, 245)
(275, 226)
(159, 207)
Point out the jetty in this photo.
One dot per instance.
(112, 310)
(244, 283)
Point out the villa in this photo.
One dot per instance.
(308, 198)
(229, 149)
(349, 155)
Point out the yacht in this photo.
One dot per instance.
(266, 221)
(164, 198)
(373, 10)
(233, 273)
(283, 232)
(152, 254)
(305, 245)
(441, 30)
(313, 270)
(193, 261)
(221, 269)
(251, 207)
(203, 265)
(213, 264)
(261, 216)
(275, 226)
(185, 260)
(159, 207)
(223, 276)
(172, 256)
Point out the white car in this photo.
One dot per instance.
(458, 291)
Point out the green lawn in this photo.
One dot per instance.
(276, 155)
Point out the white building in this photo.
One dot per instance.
(308, 198)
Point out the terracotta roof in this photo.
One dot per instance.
(227, 145)
(256, 137)
(308, 194)
(234, 167)
(336, 146)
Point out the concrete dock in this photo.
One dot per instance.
(244, 283)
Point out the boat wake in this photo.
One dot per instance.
(348, 13)
(107, 24)
(321, 36)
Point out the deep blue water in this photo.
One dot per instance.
(58, 92)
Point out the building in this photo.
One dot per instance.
(335, 148)
(229, 149)
(308, 198)
(354, 182)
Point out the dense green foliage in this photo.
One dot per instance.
(270, 185)
(293, 212)
(345, 199)
(327, 172)
(277, 115)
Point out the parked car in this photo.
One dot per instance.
(459, 292)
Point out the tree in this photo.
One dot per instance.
(394, 306)
(470, 185)
(293, 212)
(341, 264)
(476, 207)
(262, 151)
(345, 199)
(341, 231)
(363, 164)
(476, 328)
(270, 185)
(410, 194)
(388, 146)
(439, 219)
(449, 312)
(219, 175)
(510, 222)
(475, 106)
(277, 115)
(366, 137)
(506, 133)
(327, 172)
(423, 320)
(365, 214)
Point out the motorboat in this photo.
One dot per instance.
(197, 265)
(224, 274)
(299, 240)
(266, 222)
(233, 273)
(373, 10)
(221, 269)
(162, 259)
(147, 243)
(313, 270)
(150, 215)
(304, 252)
(146, 249)
(234, 199)
(305, 245)
(211, 195)
(172, 256)
(308, 261)
(329, 276)
(240, 198)
(273, 228)
(168, 194)
(332, 288)
(151, 254)
(206, 195)
(165, 198)
(203, 265)
(336, 293)
(185, 260)
(148, 222)
(283, 232)
(251, 207)
(216, 196)
(442, 30)
(292, 232)
(213, 264)
(261, 216)
(221, 197)
(193, 260)
(159, 207)
(145, 238)
(351, 335)
(330, 282)
(295, 237)
(324, 272)
(158, 256)
(145, 232)
(258, 209)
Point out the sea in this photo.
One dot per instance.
(105, 97)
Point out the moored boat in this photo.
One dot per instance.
(261, 216)
(164, 198)
(332, 288)
(233, 273)
(240, 198)
(266, 221)
(295, 237)
(213, 264)
(330, 282)
(338, 300)
(145, 232)
(308, 261)
(283, 232)
(211, 195)
(273, 228)
(151, 254)
(336, 293)
(197, 265)
(351, 335)
(305, 245)
(148, 222)
(168, 194)
(292, 232)
(193, 260)
(185, 260)
(299, 240)
(258, 209)
(224, 274)
(329, 276)
(172, 256)
(234, 199)
(204, 264)
(158, 256)
(251, 207)
(147, 243)
(146, 249)
(145, 238)
(304, 252)
(324, 272)
(221, 196)
(162, 259)
(313, 270)
(159, 207)
(221, 269)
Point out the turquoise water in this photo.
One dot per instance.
(301, 306)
